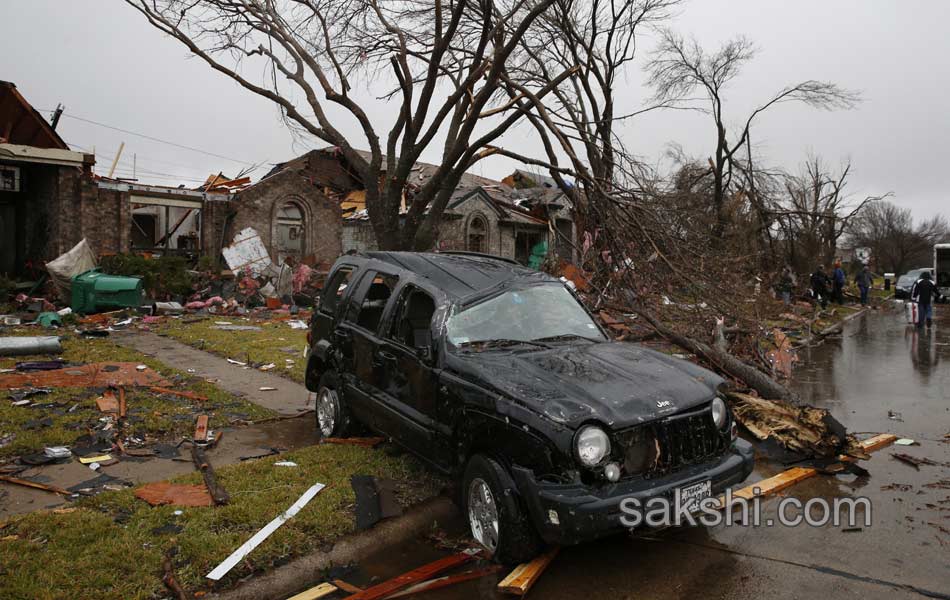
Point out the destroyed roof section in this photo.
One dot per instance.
(22, 124)
(461, 275)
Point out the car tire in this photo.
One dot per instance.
(488, 500)
(332, 415)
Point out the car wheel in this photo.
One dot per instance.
(333, 418)
(498, 521)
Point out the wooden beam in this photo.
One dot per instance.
(384, 589)
(183, 394)
(347, 587)
(527, 574)
(115, 161)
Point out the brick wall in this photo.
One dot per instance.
(257, 207)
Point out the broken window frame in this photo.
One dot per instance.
(359, 302)
(336, 287)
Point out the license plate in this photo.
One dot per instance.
(692, 495)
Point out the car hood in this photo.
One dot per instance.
(617, 383)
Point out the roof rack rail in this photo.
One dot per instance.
(479, 255)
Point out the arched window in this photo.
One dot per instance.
(290, 231)
(477, 237)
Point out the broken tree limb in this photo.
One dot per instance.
(168, 578)
(803, 429)
(218, 493)
(754, 378)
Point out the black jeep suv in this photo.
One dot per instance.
(498, 375)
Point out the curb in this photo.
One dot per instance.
(306, 571)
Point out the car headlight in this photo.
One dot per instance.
(591, 445)
(719, 412)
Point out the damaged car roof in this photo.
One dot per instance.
(461, 275)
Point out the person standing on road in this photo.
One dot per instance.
(819, 286)
(837, 295)
(786, 284)
(864, 281)
(924, 293)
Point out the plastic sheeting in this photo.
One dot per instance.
(78, 260)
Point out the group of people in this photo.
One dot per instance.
(821, 282)
(825, 288)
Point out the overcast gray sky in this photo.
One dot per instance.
(105, 64)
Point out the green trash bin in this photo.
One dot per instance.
(93, 291)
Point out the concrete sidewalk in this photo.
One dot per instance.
(288, 399)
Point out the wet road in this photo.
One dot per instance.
(877, 365)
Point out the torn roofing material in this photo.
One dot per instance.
(91, 375)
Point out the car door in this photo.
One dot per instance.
(357, 339)
(409, 376)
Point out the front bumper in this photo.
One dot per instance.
(587, 512)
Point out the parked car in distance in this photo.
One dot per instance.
(499, 376)
(905, 283)
(941, 272)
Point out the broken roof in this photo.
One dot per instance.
(21, 124)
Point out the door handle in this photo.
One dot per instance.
(343, 334)
(387, 356)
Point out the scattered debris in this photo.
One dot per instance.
(320, 591)
(201, 429)
(237, 362)
(163, 492)
(375, 500)
(285, 463)
(57, 452)
(297, 324)
(391, 586)
(90, 375)
(218, 493)
(230, 327)
(894, 416)
(447, 580)
(87, 460)
(39, 486)
(168, 578)
(21, 346)
(265, 388)
(181, 393)
(239, 554)
(270, 452)
(906, 442)
(19, 396)
(108, 403)
(915, 461)
(526, 575)
(805, 429)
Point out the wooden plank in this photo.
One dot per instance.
(347, 587)
(422, 573)
(122, 406)
(39, 486)
(201, 428)
(879, 441)
(183, 394)
(107, 403)
(441, 582)
(525, 575)
(324, 589)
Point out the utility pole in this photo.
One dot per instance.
(54, 121)
(115, 161)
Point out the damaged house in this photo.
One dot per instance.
(307, 210)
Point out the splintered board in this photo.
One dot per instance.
(386, 588)
(779, 482)
(525, 575)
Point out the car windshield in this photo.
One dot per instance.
(538, 313)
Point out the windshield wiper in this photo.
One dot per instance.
(502, 342)
(565, 336)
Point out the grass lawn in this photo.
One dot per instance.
(275, 343)
(111, 545)
(149, 414)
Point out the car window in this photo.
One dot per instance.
(533, 313)
(366, 309)
(412, 318)
(335, 288)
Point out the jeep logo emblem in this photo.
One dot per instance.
(663, 403)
